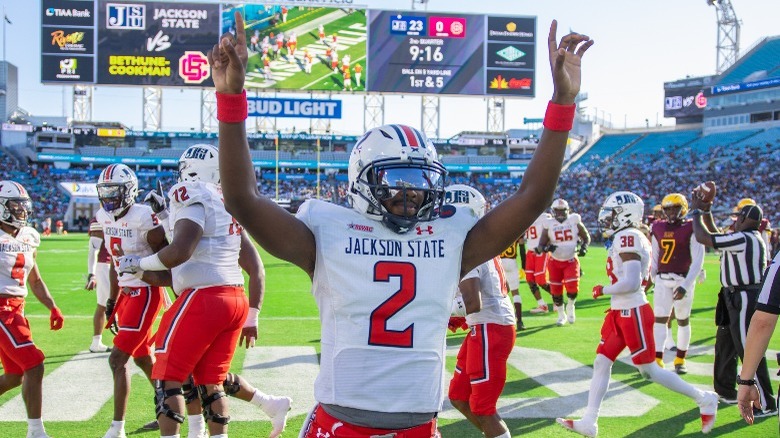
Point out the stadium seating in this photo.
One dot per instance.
(606, 146)
(663, 141)
(765, 58)
(720, 140)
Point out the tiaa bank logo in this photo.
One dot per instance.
(125, 16)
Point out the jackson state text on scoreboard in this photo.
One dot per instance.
(436, 53)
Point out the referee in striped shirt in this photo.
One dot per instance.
(762, 326)
(742, 262)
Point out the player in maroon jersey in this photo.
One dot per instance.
(676, 262)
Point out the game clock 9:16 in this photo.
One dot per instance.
(426, 53)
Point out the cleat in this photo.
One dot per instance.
(542, 308)
(576, 426)
(679, 366)
(100, 348)
(115, 434)
(660, 362)
(728, 400)
(570, 312)
(561, 321)
(152, 425)
(277, 408)
(759, 413)
(708, 407)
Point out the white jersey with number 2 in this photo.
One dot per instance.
(384, 300)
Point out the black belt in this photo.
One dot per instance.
(746, 288)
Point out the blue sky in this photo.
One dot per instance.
(639, 45)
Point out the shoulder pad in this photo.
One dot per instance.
(575, 217)
(186, 193)
(29, 236)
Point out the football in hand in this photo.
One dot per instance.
(706, 191)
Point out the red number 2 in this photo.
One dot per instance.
(17, 272)
(378, 334)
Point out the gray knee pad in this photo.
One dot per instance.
(206, 401)
(189, 390)
(231, 384)
(161, 408)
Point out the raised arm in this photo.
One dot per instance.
(280, 233)
(501, 225)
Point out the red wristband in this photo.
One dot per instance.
(231, 108)
(559, 117)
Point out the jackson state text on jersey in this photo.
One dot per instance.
(674, 243)
(128, 234)
(384, 300)
(628, 241)
(215, 259)
(17, 260)
(564, 236)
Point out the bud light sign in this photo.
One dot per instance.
(301, 108)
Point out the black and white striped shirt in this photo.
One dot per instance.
(743, 257)
(769, 298)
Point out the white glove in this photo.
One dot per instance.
(458, 306)
(129, 264)
(156, 201)
(702, 277)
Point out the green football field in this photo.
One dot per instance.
(539, 381)
(288, 74)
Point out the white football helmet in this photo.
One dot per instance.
(199, 162)
(117, 188)
(462, 195)
(620, 210)
(15, 204)
(392, 159)
(560, 209)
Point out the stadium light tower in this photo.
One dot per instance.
(728, 34)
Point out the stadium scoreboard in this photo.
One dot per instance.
(434, 53)
(291, 48)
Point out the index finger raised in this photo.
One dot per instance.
(552, 43)
(240, 31)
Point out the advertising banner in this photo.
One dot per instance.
(58, 68)
(68, 13)
(155, 44)
(67, 41)
(686, 98)
(299, 108)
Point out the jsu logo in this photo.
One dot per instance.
(125, 16)
(457, 197)
(625, 199)
(199, 153)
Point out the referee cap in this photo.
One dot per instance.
(752, 212)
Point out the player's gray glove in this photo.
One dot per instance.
(156, 199)
(129, 264)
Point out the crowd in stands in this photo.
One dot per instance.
(752, 172)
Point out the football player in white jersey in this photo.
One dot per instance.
(384, 273)
(561, 235)
(206, 254)
(629, 322)
(536, 262)
(480, 373)
(22, 360)
(128, 229)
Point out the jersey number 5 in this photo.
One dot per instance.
(378, 334)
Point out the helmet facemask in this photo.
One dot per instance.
(560, 214)
(607, 221)
(115, 198)
(15, 212)
(390, 179)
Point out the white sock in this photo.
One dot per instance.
(222, 435)
(97, 339)
(35, 425)
(516, 299)
(505, 435)
(197, 425)
(670, 380)
(540, 302)
(259, 398)
(669, 332)
(119, 426)
(684, 337)
(659, 333)
(170, 436)
(602, 369)
(561, 311)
